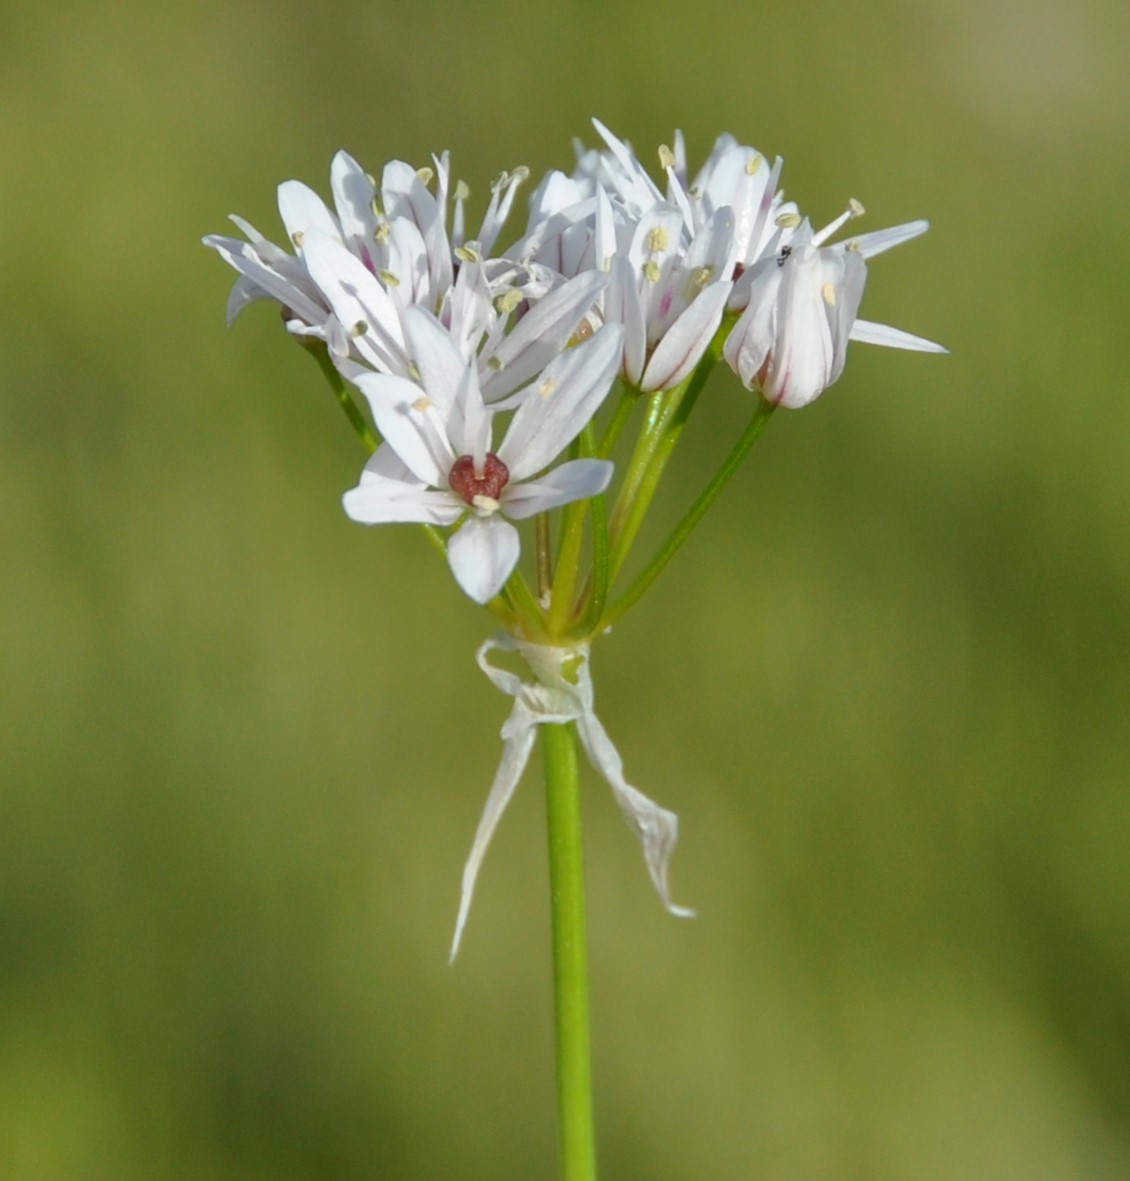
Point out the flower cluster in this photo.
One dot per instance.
(484, 370)
(442, 334)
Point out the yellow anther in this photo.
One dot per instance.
(651, 272)
(753, 164)
(485, 504)
(425, 174)
(508, 302)
(852, 245)
(422, 404)
(829, 294)
(383, 231)
(788, 221)
(462, 192)
(666, 157)
(546, 388)
(520, 174)
(583, 331)
(856, 208)
(467, 254)
(297, 237)
(359, 329)
(702, 276)
(658, 240)
(496, 363)
(413, 371)
(389, 278)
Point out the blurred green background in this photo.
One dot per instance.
(245, 744)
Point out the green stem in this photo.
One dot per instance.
(665, 423)
(363, 430)
(570, 955)
(695, 513)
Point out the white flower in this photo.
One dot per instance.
(397, 233)
(437, 462)
(561, 692)
(791, 341)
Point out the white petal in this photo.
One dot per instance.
(409, 425)
(482, 554)
(622, 306)
(879, 241)
(378, 501)
(437, 357)
(686, 340)
(576, 480)
(560, 405)
(243, 258)
(404, 194)
(868, 332)
(541, 334)
(303, 210)
(353, 193)
(358, 300)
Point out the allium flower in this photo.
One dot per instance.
(562, 692)
(397, 232)
(438, 462)
(791, 341)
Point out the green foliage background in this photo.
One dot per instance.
(885, 687)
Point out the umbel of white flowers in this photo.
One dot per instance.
(482, 365)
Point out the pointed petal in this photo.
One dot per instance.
(440, 364)
(359, 302)
(482, 555)
(409, 424)
(686, 340)
(868, 332)
(879, 241)
(570, 390)
(576, 480)
(243, 258)
(378, 501)
(622, 305)
(541, 334)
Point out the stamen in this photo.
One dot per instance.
(788, 221)
(422, 404)
(583, 332)
(467, 254)
(414, 371)
(829, 294)
(651, 272)
(359, 329)
(658, 240)
(383, 231)
(297, 237)
(754, 163)
(462, 192)
(854, 209)
(391, 279)
(546, 388)
(426, 174)
(508, 302)
(666, 157)
(496, 363)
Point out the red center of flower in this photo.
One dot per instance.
(468, 483)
